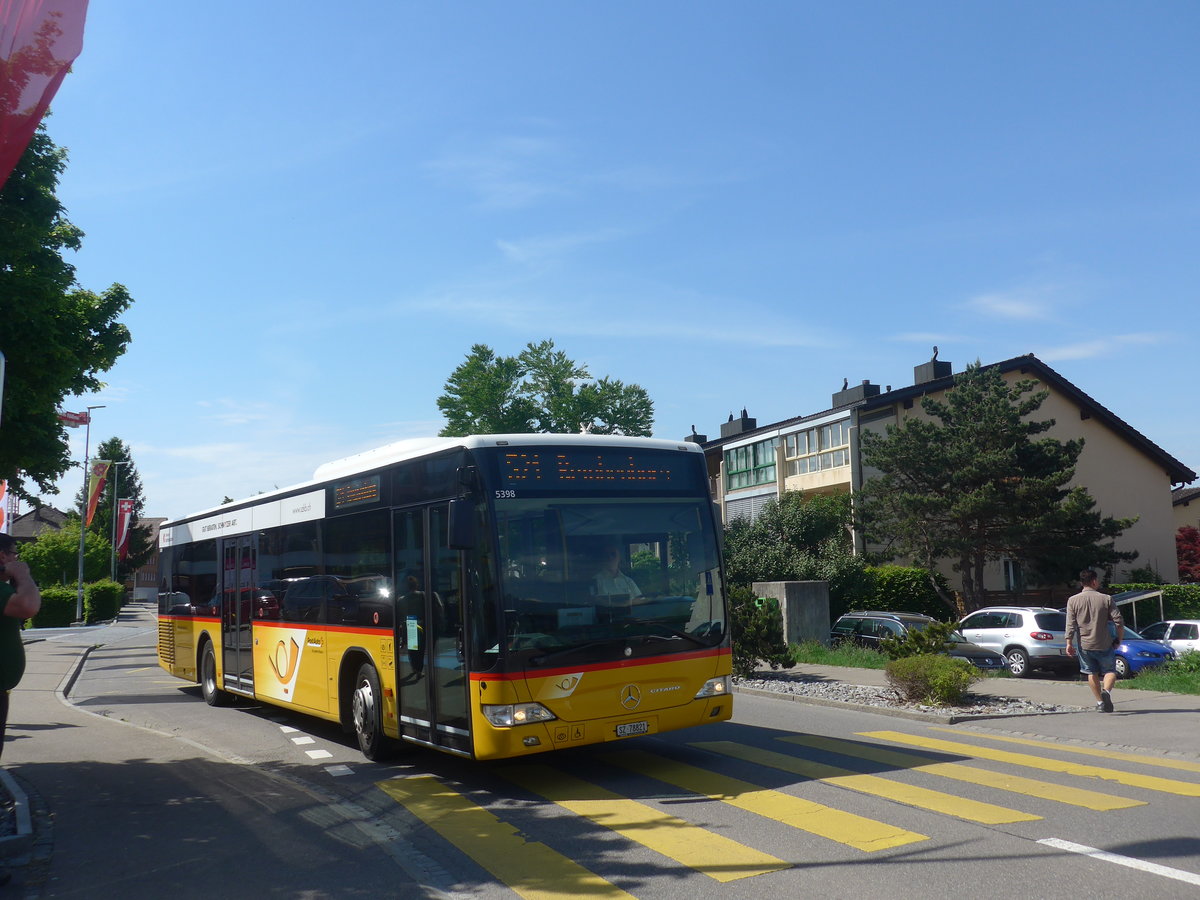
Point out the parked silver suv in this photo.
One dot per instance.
(1029, 637)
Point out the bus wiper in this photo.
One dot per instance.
(590, 645)
(675, 634)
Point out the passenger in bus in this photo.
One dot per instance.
(610, 580)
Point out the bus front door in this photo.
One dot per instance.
(237, 589)
(431, 672)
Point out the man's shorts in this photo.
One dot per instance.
(1097, 662)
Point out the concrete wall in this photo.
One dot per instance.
(805, 608)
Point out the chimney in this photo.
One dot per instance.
(932, 370)
(695, 438)
(737, 426)
(848, 395)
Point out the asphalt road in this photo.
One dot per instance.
(152, 793)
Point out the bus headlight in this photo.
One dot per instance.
(715, 687)
(517, 714)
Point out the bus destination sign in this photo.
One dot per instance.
(586, 469)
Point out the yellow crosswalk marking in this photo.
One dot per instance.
(846, 828)
(1163, 762)
(910, 795)
(718, 857)
(1148, 782)
(1017, 784)
(532, 870)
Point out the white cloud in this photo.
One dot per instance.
(540, 249)
(1018, 305)
(506, 173)
(1100, 347)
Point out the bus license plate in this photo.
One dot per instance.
(629, 729)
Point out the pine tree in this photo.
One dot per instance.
(977, 482)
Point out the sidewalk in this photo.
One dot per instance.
(1148, 721)
(54, 658)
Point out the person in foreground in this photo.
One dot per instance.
(20, 599)
(1088, 616)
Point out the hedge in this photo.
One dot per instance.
(101, 601)
(905, 589)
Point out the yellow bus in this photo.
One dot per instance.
(490, 596)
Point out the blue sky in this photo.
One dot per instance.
(319, 208)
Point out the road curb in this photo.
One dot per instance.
(14, 848)
(916, 715)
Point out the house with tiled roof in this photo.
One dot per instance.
(1186, 503)
(1125, 471)
(27, 526)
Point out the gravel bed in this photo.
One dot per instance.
(860, 695)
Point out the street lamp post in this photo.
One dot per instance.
(87, 437)
(116, 493)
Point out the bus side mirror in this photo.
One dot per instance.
(461, 527)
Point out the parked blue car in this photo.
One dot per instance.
(1136, 653)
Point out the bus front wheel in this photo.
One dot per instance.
(213, 695)
(367, 708)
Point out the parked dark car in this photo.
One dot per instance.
(867, 628)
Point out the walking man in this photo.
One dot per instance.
(1088, 616)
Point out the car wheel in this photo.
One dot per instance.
(213, 695)
(1018, 662)
(1122, 666)
(366, 706)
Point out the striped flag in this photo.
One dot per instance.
(96, 486)
(124, 518)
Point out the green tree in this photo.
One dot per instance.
(129, 485)
(54, 557)
(800, 537)
(975, 483)
(539, 390)
(56, 336)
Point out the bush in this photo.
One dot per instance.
(934, 679)
(757, 632)
(102, 601)
(919, 641)
(1188, 661)
(58, 607)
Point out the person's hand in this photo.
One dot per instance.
(17, 572)
(1070, 649)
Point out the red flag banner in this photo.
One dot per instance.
(124, 518)
(39, 39)
(99, 473)
(70, 419)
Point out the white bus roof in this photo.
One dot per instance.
(414, 448)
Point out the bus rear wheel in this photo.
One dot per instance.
(367, 709)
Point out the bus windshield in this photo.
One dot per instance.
(590, 579)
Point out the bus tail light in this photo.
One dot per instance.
(714, 687)
(511, 714)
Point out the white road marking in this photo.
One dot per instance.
(1129, 861)
(339, 771)
(319, 754)
(304, 740)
